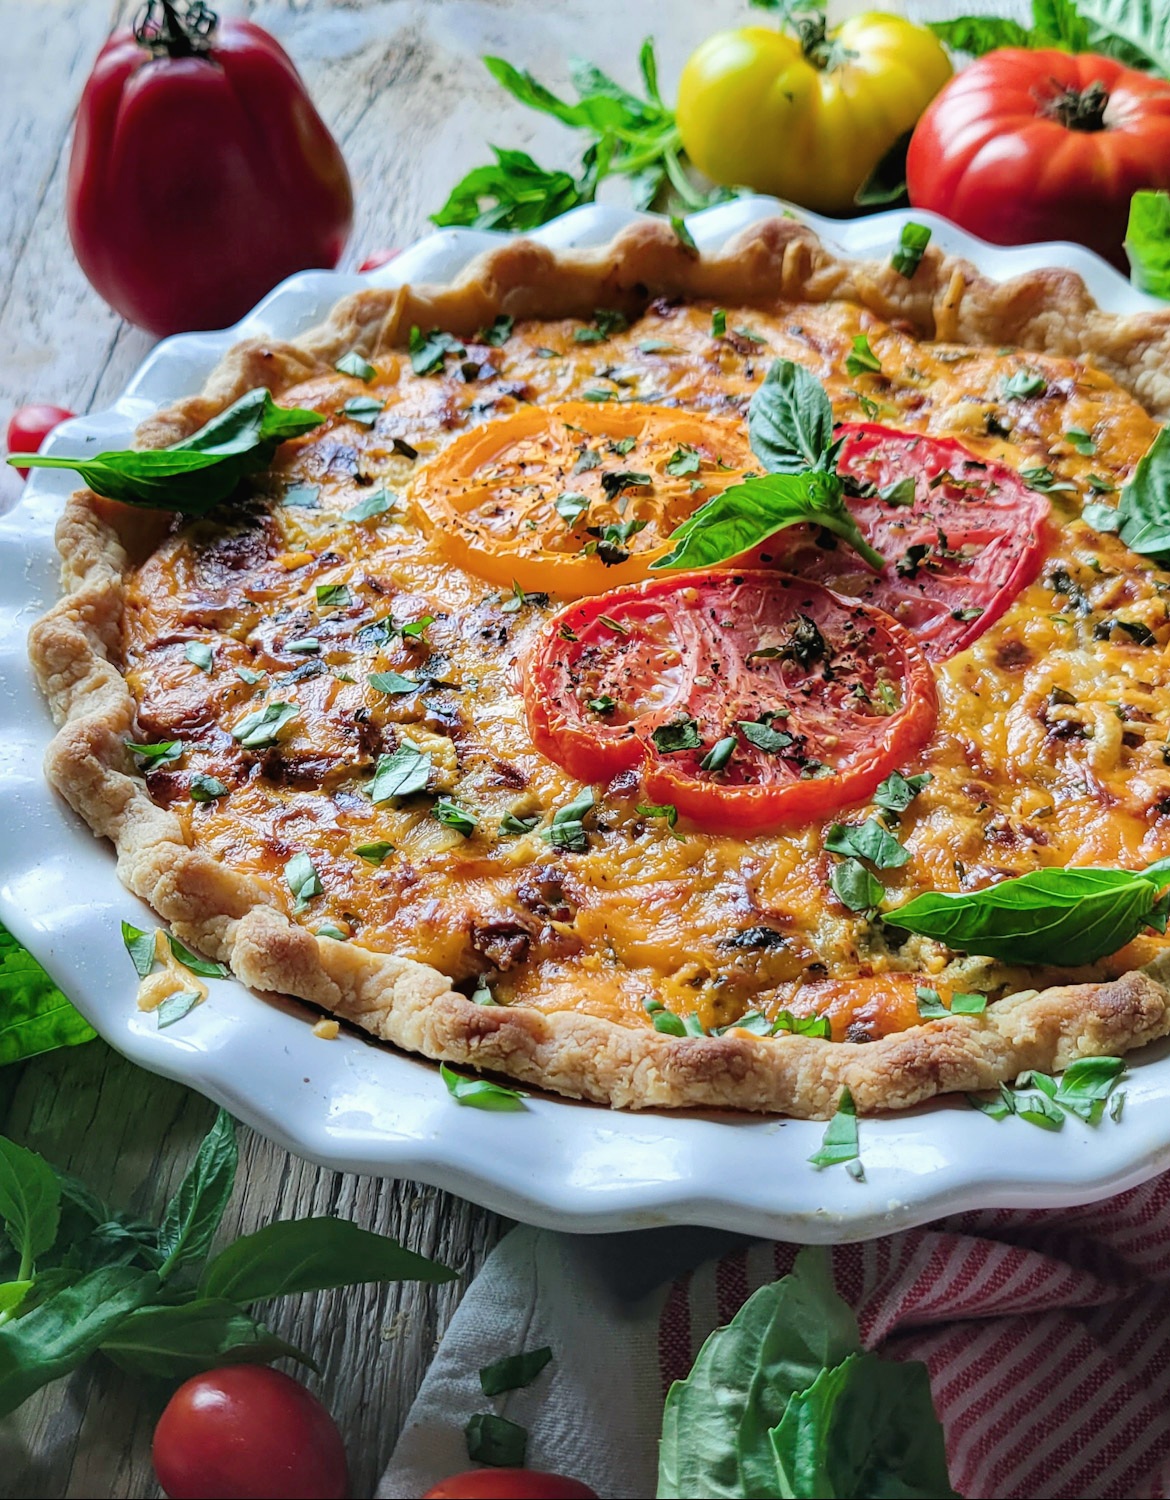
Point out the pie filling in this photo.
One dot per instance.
(343, 658)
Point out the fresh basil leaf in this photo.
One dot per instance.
(1147, 243)
(996, 1106)
(930, 1006)
(514, 193)
(912, 243)
(498, 332)
(246, 674)
(897, 792)
(401, 774)
(496, 1441)
(864, 1427)
(175, 1007)
(141, 948)
(1137, 32)
(1034, 1100)
(415, 630)
(364, 410)
(1057, 23)
(855, 887)
(1101, 517)
(35, 1016)
(310, 1255)
(764, 737)
(790, 420)
(512, 825)
(716, 1422)
(331, 930)
(200, 655)
(173, 1343)
(980, 34)
(514, 1371)
(1068, 917)
(746, 514)
(665, 810)
(964, 1004)
(12, 1294)
(30, 1203)
(684, 460)
(668, 1023)
(868, 840)
(355, 364)
(376, 503)
(160, 754)
(1045, 481)
(303, 880)
(203, 788)
(393, 683)
(819, 1026)
(863, 361)
(451, 815)
(206, 968)
(332, 595)
(571, 506)
(301, 497)
(57, 1334)
(1085, 1086)
(1023, 385)
(193, 1214)
(1143, 512)
(680, 734)
(481, 1093)
(192, 476)
(567, 830)
(428, 354)
(1081, 440)
(718, 324)
(684, 236)
(720, 753)
(261, 728)
(839, 1146)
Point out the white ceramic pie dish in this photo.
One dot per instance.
(360, 1106)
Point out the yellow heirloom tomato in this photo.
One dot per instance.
(806, 117)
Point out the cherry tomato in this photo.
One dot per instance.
(246, 1432)
(813, 697)
(510, 1484)
(29, 426)
(549, 498)
(958, 552)
(1025, 146)
(378, 258)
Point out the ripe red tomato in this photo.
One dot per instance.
(247, 1432)
(510, 1484)
(378, 258)
(1043, 145)
(957, 556)
(29, 426)
(813, 697)
(201, 174)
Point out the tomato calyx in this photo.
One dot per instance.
(166, 32)
(1079, 109)
(816, 46)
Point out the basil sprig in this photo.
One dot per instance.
(1135, 32)
(1055, 916)
(1147, 243)
(783, 1401)
(1142, 518)
(790, 424)
(192, 476)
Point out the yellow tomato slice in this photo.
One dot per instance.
(624, 477)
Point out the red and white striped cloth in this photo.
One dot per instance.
(1047, 1338)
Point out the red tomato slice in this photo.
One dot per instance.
(821, 695)
(956, 557)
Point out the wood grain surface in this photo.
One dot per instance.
(400, 84)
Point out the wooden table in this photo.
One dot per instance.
(399, 83)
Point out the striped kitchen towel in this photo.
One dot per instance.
(1046, 1335)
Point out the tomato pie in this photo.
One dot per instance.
(671, 680)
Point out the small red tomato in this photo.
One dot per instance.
(29, 426)
(248, 1433)
(510, 1484)
(378, 258)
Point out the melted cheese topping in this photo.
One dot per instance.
(1050, 747)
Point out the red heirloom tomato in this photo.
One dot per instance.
(201, 174)
(510, 1484)
(1027, 146)
(248, 1433)
(29, 426)
(962, 535)
(749, 699)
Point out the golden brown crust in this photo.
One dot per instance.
(75, 648)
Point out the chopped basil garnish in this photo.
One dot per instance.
(684, 236)
(206, 788)
(680, 734)
(764, 737)
(868, 840)
(206, 968)
(1083, 1090)
(684, 460)
(897, 792)
(855, 886)
(567, 830)
(1024, 383)
(966, 1004)
(665, 810)
(175, 1007)
(603, 705)
(840, 1146)
(657, 346)
(899, 492)
(616, 480)
(427, 355)
(246, 674)
(481, 1093)
(718, 324)
(303, 880)
(331, 930)
(332, 595)
(260, 729)
(571, 506)
(863, 361)
(1082, 441)
(498, 334)
(1143, 512)
(514, 826)
(305, 645)
(513, 1372)
(415, 630)
(668, 1023)
(587, 460)
(818, 1026)
(1101, 517)
(141, 948)
(393, 683)
(401, 774)
(377, 503)
(720, 753)
(912, 243)
(353, 364)
(515, 601)
(374, 853)
(201, 471)
(200, 655)
(301, 496)
(494, 1440)
(451, 815)
(364, 410)
(930, 1005)
(1045, 481)
(157, 754)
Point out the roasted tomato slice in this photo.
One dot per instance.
(577, 498)
(750, 699)
(958, 550)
